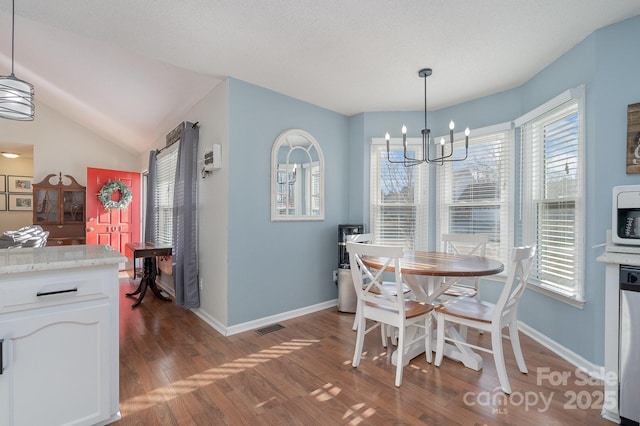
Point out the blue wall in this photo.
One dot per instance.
(275, 267)
(608, 65)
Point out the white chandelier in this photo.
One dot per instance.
(445, 154)
(16, 96)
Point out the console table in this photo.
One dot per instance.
(149, 252)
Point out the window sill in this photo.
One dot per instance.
(557, 296)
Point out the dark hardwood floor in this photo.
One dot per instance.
(176, 370)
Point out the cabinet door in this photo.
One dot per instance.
(46, 206)
(56, 368)
(73, 207)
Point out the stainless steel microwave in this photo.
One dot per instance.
(626, 215)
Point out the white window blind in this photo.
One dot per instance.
(552, 209)
(166, 174)
(475, 195)
(399, 196)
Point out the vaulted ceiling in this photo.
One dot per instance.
(124, 69)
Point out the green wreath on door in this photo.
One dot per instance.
(108, 189)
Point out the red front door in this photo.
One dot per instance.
(114, 227)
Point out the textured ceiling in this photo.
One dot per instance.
(127, 68)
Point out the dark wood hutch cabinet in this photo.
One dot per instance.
(60, 209)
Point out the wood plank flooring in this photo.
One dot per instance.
(176, 370)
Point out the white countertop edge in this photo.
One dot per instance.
(620, 258)
(62, 257)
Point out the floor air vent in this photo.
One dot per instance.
(269, 329)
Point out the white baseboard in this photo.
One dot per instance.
(262, 322)
(595, 371)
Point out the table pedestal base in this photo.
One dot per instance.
(148, 280)
(461, 353)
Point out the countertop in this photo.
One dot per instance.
(59, 257)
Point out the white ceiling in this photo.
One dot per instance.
(128, 70)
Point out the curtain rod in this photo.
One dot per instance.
(193, 126)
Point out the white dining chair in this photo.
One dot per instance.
(489, 317)
(470, 244)
(363, 239)
(385, 306)
(390, 286)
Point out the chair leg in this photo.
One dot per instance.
(384, 334)
(400, 359)
(463, 331)
(392, 332)
(359, 342)
(356, 318)
(515, 345)
(498, 358)
(439, 339)
(427, 337)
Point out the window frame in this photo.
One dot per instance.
(444, 189)
(530, 201)
(420, 233)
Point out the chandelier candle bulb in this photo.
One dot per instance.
(404, 139)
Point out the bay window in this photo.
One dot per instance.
(553, 196)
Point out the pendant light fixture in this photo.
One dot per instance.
(442, 153)
(16, 96)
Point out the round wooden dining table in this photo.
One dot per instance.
(441, 264)
(434, 266)
(415, 264)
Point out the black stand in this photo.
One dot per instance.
(148, 280)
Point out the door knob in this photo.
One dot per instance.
(90, 229)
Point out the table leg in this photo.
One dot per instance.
(148, 280)
(428, 289)
(460, 353)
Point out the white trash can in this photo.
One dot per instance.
(347, 298)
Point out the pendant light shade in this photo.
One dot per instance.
(16, 99)
(16, 96)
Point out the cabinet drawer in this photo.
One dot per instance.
(65, 241)
(28, 292)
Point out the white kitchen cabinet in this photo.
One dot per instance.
(56, 368)
(59, 332)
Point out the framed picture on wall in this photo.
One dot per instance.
(3, 183)
(20, 184)
(18, 202)
(3, 202)
(633, 138)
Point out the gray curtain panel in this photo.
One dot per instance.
(150, 224)
(185, 242)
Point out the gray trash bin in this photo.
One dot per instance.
(347, 298)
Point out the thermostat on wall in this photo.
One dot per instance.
(212, 157)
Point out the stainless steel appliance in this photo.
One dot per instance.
(629, 402)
